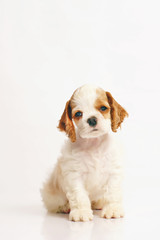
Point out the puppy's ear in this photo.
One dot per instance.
(66, 124)
(118, 113)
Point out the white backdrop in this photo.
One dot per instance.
(47, 50)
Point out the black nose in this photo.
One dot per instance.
(92, 121)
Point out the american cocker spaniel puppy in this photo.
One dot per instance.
(88, 174)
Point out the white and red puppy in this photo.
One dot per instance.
(88, 175)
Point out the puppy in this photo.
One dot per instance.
(88, 174)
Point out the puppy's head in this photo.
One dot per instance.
(93, 111)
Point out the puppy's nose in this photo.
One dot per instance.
(92, 121)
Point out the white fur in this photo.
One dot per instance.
(88, 174)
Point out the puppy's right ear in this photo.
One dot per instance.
(66, 123)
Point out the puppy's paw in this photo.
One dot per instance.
(81, 215)
(112, 210)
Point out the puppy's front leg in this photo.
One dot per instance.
(79, 203)
(113, 199)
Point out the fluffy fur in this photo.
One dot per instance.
(88, 174)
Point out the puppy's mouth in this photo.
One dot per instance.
(94, 130)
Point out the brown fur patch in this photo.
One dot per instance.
(66, 124)
(102, 101)
(118, 113)
(76, 119)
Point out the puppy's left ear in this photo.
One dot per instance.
(66, 124)
(118, 113)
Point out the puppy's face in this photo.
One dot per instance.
(93, 111)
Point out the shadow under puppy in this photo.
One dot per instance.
(88, 174)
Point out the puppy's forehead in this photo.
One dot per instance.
(87, 96)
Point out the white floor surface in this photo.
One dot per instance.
(30, 221)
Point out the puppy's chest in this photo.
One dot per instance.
(95, 169)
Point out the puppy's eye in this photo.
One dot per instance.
(78, 114)
(103, 108)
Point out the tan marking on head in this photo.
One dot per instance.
(76, 119)
(102, 101)
(66, 124)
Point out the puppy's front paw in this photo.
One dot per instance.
(112, 210)
(81, 215)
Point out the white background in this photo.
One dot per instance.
(47, 50)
